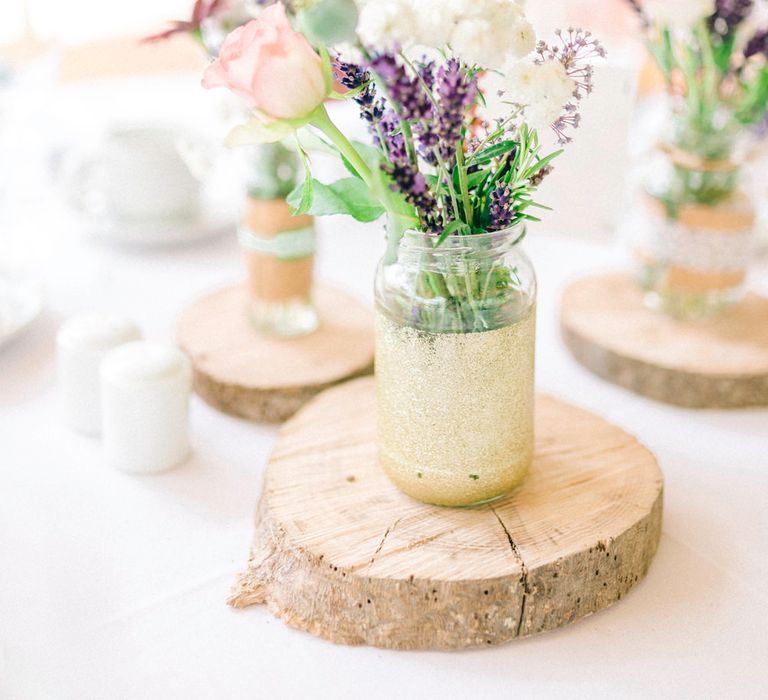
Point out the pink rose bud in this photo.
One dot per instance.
(270, 66)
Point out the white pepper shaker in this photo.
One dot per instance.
(145, 391)
(81, 344)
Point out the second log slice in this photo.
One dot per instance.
(244, 373)
(341, 553)
(718, 362)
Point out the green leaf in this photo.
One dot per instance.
(327, 68)
(300, 199)
(372, 157)
(723, 52)
(256, 131)
(349, 196)
(454, 227)
(495, 151)
(542, 163)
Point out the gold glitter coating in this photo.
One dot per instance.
(455, 410)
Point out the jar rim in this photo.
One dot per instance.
(413, 238)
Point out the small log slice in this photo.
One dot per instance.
(341, 553)
(244, 373)
(719, 362)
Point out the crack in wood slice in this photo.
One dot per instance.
(340, 552)
(720, 362)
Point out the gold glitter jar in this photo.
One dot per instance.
(455, 335)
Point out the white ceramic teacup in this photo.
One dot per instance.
(139, 173)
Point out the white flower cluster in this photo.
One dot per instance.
(679, 14)
(481, 32)
(542, 89)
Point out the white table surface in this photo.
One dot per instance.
(113, 586)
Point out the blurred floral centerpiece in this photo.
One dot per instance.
(278, 247)
(459, 98)
(697, 242)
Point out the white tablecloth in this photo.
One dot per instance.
(113, 586)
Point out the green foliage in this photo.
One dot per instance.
(717, 80)
(349, 196)
(328, 22)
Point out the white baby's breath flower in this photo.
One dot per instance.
(435, 22)
(482, 32)
(542, 89)
(384, 23)
(487, 32)
(679, 14)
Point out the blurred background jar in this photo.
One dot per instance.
(697, 238)
(279, 248)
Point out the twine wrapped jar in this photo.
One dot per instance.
(279, 254)
(698, 227)
(279, 248)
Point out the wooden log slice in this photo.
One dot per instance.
(341, 553)
(247, 374)
(719, 362)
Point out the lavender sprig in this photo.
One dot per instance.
(501, 210)
(456, 91)
(757, 45)
(372, 109)
(404, 90)
(729, 14)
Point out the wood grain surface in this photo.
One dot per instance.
(718, 362)
(244, 373)
(341, 553)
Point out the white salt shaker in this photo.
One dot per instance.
(81, 344)
(145, 391)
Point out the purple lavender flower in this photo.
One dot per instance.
(407, 180)
(404, 90)
(355, 77)
(729, 14)
(757, 45)
(501, 211)
(455, 93)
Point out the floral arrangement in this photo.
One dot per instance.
(714, 57)
(459, 99)
(439, 161)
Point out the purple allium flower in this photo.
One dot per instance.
(729, 14)
(575, 50)
(757, 45)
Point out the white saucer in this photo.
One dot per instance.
(162, 232)
(21, 301)
(209, 223)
